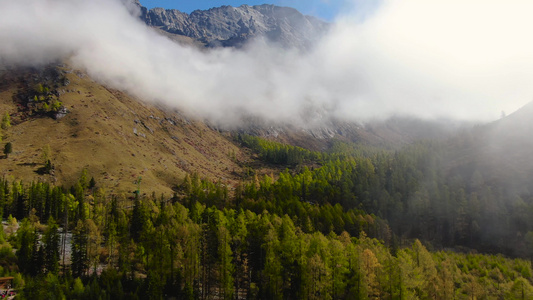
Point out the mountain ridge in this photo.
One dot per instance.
(229, 26)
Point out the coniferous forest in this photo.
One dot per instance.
(316, 150)
(348, 223)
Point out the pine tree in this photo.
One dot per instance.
(138, 221)
(92, 183)
(51, 241)
(80, 261)
(26, 237)
(8, 148)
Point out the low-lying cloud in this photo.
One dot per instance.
(459, 59)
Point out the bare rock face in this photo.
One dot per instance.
(134, 7)
(232, 26)
(61, 113)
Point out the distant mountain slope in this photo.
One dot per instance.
(392, 133)
(232, 26)
(498, 153)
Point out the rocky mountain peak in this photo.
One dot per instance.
(232, 26)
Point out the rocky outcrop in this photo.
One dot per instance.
(232, 26)
(61, 113)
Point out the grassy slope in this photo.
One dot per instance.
(98, 134)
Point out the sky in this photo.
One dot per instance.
(324, 9)
(460, 59)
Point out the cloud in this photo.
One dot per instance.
(466, 59)
(460, 59)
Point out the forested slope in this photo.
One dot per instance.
(416, 190)
(352, 223)
(162, 248)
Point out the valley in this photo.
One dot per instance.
(203, 170)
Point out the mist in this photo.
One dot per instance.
(465, 60)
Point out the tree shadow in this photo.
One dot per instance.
(46, 169)
(42, 171)
(27, 164)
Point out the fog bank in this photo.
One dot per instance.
(468, 60)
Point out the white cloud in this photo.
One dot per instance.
(464, 59)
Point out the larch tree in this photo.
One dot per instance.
(6, 121)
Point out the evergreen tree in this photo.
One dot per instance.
(26, 238)
(92, 183)
(8, 148)
(51, 242)
(80, 241)
(139, 219)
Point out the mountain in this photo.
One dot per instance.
(185, 209)
(119, 138)
(233, 26)
(392, 133)
(499, 151)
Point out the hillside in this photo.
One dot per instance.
(244, 206)
(116, 137)
(499, 151)
(119, 138)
